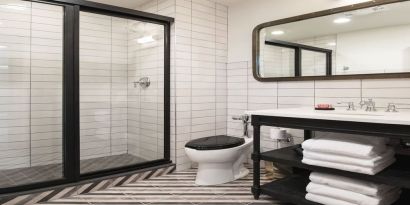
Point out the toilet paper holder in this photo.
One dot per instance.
(280, 135)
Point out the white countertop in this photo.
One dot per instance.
(340, 114)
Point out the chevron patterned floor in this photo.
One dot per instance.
(174, 188)
(31, 175)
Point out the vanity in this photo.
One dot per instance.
(292, 188)
(363, 41)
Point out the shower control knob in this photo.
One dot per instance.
(144, 82)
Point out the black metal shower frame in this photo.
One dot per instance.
(71, 93)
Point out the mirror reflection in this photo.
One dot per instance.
(366, 41)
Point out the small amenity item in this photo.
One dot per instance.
(324, 107)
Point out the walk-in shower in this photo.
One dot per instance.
(84, 91)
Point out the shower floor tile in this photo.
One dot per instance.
(29, 175)
(101, 163)
(174, 188)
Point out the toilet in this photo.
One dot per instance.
(220, 158)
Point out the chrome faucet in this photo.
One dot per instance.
(370, 105)
(245, 122)
(350, 106)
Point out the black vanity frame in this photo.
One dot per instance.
(292, 188)
(71, 116)
(298, 48)
(256, 45)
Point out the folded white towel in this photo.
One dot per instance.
(372, 162)
(349, 146)
(350, 168)
(352, 197)
(326, 200)
(363, 138)
(355, 185)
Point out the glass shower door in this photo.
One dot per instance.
(121, 92)
(31, 81)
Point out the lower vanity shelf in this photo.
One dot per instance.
(395, 175)
(292, 189)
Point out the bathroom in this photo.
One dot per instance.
(155, 75)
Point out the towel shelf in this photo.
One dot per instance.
(394, 175)
(292, 190)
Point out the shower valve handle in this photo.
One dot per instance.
(144, 82)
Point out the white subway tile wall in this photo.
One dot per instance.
(31, 84)
(198, 70)
(46, 82)
(118, 116)
(146, 105)
(103, 85)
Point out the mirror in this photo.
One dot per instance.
(367, 40)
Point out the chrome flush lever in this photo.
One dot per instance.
(244, 119)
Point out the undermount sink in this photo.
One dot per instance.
(341, 114)
(352, 113)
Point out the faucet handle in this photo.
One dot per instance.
(350, 105)
(391, 107)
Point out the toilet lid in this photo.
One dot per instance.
(215, 142)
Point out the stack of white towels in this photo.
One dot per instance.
(360, 154)
(336, 190)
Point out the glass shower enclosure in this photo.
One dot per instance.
(84, 92)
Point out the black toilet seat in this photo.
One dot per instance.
(215, 142)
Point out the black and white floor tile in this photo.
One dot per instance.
(174, 188)
(93, 186)
(35, 174)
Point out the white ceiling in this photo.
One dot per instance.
(132, 4)
(228, 2)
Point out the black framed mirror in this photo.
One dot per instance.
(361, 41)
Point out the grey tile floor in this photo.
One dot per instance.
(175, 188)
(29, 175)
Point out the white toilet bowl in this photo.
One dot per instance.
(220, 166)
